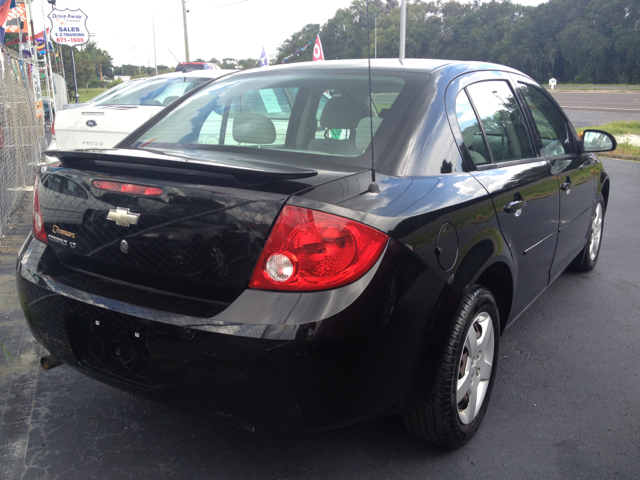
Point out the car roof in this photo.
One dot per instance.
(417, 65)
(196, 74)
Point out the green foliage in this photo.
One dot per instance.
(572, 40)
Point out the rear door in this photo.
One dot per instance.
(522, 186)
(576, 177)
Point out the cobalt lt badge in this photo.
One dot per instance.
(123, 217)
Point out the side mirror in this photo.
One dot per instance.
(597, 141)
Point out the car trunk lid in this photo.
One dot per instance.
(100, 127)
(200, 238)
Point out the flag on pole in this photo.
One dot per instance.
(16, 18)
(5, 6)
(264, 61)
(318, 54)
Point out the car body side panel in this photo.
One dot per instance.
(414, 211)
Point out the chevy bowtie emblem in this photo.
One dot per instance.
(123, 217)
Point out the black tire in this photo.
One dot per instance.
(588, 257)
(442, 419)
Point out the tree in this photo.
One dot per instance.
(297, 40)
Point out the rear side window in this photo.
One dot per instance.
(502, 120)
(470, 128)
(552, 127)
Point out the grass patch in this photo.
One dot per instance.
(86, 95)
(620, 128)
(593, 86)
(625, 149)
(617, 128)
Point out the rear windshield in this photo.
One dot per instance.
(116, 89)
(158, 92)
(315, 113)
(190, 67)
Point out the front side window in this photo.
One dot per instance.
(552, 127)
(502, 120)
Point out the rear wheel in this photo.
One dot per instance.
(455, 410)
(588, 257)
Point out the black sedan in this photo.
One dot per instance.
(250, 253)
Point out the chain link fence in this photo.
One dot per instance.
(22, 134)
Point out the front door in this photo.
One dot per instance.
(574, 171)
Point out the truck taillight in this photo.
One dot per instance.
(311, 250)
(38, 224)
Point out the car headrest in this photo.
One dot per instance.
(363, 133)
(253, 128)
(341, 112)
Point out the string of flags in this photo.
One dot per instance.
(318, 54)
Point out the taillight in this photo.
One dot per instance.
(38, 224)
(127, 188)
(53, 129)
(311, 250)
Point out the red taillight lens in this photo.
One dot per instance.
(311, 250)
(38, 224)
(127, 188)
(53, 128)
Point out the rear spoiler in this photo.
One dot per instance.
(182, 162)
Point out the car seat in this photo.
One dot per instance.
(340, 113)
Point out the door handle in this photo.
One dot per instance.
(515, 206)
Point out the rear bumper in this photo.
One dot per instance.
(352, 362)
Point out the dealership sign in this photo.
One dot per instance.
(69, 27)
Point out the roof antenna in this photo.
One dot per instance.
(373, 187)
(179, 62)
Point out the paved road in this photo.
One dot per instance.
(566, 403)
(596, 108)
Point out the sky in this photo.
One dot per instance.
(217, 28)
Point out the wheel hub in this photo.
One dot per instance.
(475, 367)
(596, 232)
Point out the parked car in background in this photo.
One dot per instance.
(102, 124)
(192, 66)
(314, 245)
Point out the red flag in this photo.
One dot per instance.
(317, 50)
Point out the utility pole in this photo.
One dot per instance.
(155, 56)
(403, 28)
(186, 35)
(375, 36)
